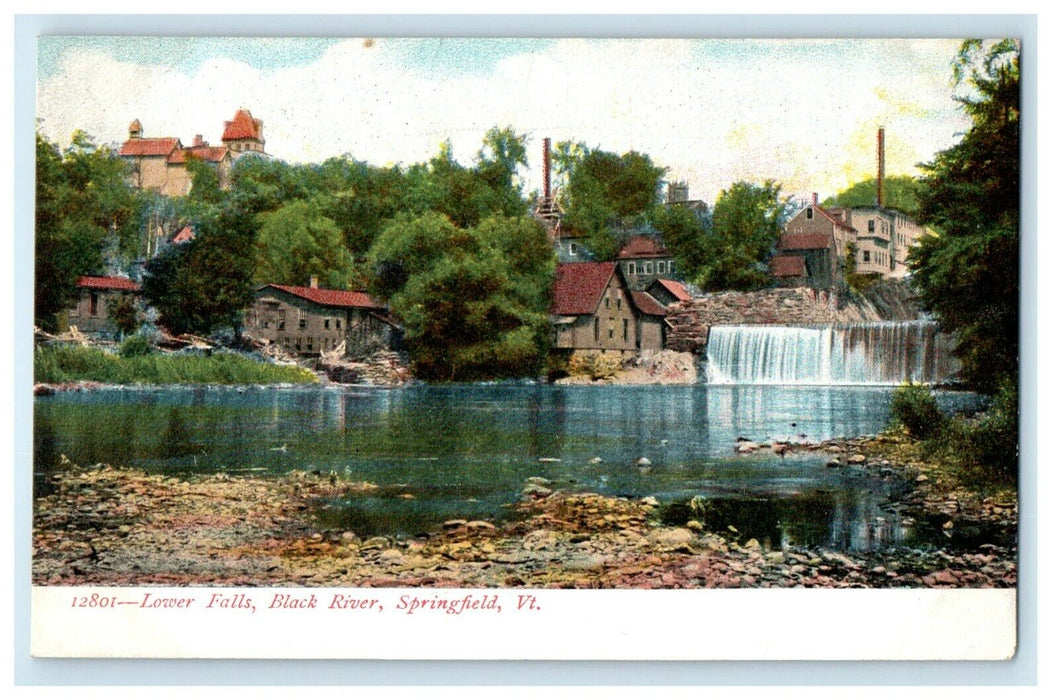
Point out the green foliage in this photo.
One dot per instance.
(915, 408)
(968, 276)
(747, 222)
(605, 193)
(135, 346)
(123, 313)
(58, 364)
(858, 283)
(205, 284)
(685, 235)
(473, 301)
(598, 366)
(297, 242)
(83, 206)
(900, 193)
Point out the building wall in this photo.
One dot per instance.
(641, 273)
(651, 333)
(90, 314)
(611, 327)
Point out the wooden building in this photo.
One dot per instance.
(91, 314)
(309, 320)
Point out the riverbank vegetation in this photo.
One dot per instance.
(59, 364)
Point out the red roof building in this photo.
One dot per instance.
(244, 133)
(579, 287)
(332, 297)
(121, 284)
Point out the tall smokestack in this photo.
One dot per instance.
(882, 169)
(547, 169)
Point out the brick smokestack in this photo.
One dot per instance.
(816, 199)
(882, 169)
(547, 169)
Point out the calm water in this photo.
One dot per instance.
(466, 451)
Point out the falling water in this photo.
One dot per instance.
(885, 352)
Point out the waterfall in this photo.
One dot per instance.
(885, 352)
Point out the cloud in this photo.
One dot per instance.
(803, 113)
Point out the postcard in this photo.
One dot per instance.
(526, 348)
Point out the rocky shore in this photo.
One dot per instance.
(112, 526)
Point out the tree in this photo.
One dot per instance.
(473, 301)
(747, 222)
(686, 235)
(297, 242)
(123, 312)
(968, 275)
(83, 207)
(204, 285)
(899, 193)
(607, 194)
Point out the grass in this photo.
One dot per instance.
(58, 364)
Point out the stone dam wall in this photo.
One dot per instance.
(691, 320)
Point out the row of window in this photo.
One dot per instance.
(611, 328)
(660, 267)
(296, 344)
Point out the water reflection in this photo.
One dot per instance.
(465, 451)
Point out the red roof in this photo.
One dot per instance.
(643, 247)
(647, 304)
(242, 126)
(675, 288)
(184, 235)
(149, 147)
(804, 241)
(331, 297)
(579, 287)
(123, 284)
(788, 266)
(210, 154)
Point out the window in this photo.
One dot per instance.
(282, 325)
(338, 324)
(93, 304)
(867, 256)
(327, 324)
(302, 319)
(809, 213)
(632, 268)
(298, 344)
(610, 329)
(671, 266)
(625, 329)
(309, 344)
(871, 225)
(606, 302)
(595, 328)
(649, 268)
(619, 303)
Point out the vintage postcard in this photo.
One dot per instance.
(526, 348)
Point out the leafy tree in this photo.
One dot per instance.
(206, 284)
(747, 222)
(899, 192)
(686, 235)
(606, 194)
(123, 312)
(83, 207)
(473, 301)
(968, 276)
(296, 242)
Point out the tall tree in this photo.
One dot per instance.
(747, 222)
(900, 192)
(83, 207)
(473, 301)
(297, 242)
(968, 276)
(686, 235)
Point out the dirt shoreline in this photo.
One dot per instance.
(107, 525)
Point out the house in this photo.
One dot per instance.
(160, 164)
(594, 310)
(884, 238)
(667, 291)
(651, 324)
(91, 314)
(643, 259)
(310, 320)
(821, 241)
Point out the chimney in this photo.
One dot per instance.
(198, 140)
(816, 199)
(882, 169)
(314, 283)
(547, 169)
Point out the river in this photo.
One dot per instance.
(465, 451)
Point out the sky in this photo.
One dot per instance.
(804, 113)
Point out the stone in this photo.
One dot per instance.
(857, 459)
(643, 462)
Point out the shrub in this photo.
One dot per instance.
(994, 441)
(136, 346)
(914, 407)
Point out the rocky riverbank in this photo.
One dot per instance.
(112, 526)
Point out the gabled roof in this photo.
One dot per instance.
(184, 235)
(647, 304)
(330, 297)
(242, 126)
(830, 216)
(123, 284)
(579, 287)
(643, 247)
(805, 241)
(675, 288)
(149, 147)
(788, 266)
(210, 154)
